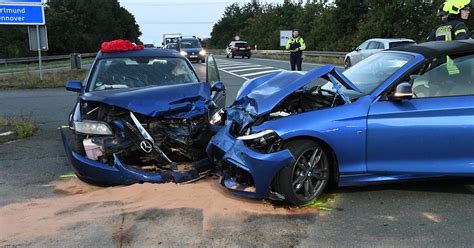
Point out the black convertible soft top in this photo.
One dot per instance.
(436, 49)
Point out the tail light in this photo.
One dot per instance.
(248, 47)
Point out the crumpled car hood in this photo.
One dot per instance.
(174, 101)
(261, 99)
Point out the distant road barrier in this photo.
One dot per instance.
(306, 53)
(315, 56)
(44, 58)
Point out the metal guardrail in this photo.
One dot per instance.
(88, 55)
(45, 58)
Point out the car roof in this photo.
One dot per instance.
(392, 40)
(435, 49)
(147, 52)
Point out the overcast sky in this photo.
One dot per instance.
(188, 17)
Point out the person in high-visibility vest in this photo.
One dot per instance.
(296, 46)
(454, 27)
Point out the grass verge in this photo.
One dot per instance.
(30, 80)
(21, 128)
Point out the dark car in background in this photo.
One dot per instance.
(192, 49)
(171, 46)
(139, 116)
(238, 48)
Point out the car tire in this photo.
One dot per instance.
(300, 183)
(249, 56)
(227, 55)
(347, 63)
(243, 56)
(233, 56)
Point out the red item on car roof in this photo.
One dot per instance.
(119, 46)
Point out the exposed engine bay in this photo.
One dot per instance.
(300, 101)
(148, 143)
(306, 100)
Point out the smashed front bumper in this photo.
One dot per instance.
(98, 173)
(226, 150)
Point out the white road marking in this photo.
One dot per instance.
(235, 75)
(260, 72)
(239, 66)
(232, 67)
(251, 69)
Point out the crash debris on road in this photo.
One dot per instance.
(77, 202)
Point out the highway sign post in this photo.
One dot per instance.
(285, 35)
(33, 38)
(31, 13)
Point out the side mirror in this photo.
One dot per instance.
(402, 92)
(74, 86)
(218, 87)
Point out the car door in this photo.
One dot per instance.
(358, 53)
(213, 77)
(433, 133)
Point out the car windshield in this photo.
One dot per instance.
(190, 44)
(368, 74)
(124, 73)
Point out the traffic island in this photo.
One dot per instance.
(13, 129)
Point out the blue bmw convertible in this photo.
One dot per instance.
(402, 114)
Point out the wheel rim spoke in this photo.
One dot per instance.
(315, 158)
(299, 182)
(310, 187)
(304, 162)
(306, 188)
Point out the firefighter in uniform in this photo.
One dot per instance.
(453, 28)
(296, 46)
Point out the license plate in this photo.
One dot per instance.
(193, 56)
(242, 48)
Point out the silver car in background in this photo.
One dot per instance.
(373, 46)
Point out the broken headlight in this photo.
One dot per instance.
(217, 118)
(266, 141)
(92, 127)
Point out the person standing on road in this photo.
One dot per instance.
(453, 28)
(296, 46)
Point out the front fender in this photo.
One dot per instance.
(343, 128)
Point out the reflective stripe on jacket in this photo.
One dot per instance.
(294, 43)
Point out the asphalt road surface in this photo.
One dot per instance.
(434, 214)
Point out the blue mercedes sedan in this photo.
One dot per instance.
(142, 116)
(403, 114)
